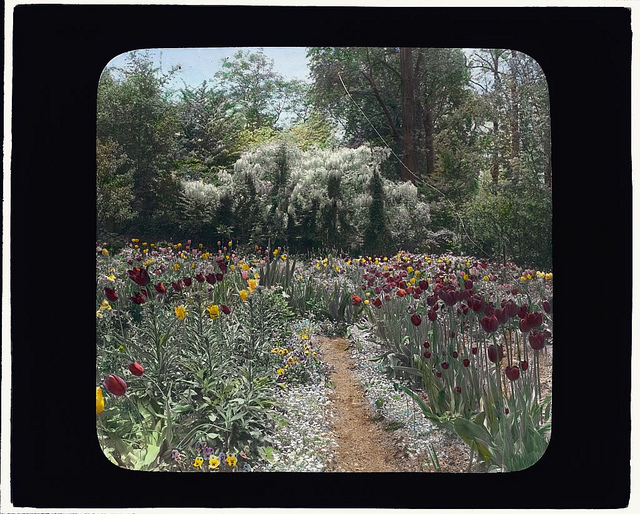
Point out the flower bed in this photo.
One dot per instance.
(207, 362)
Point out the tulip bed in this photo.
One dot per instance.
(196, 347)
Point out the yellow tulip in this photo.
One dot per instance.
(214, 311)
(99, 401)
(181, 312)
(244, 294)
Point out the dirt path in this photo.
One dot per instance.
(363, 444)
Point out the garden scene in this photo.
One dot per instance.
(350, 272)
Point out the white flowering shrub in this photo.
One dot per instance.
(305, 200)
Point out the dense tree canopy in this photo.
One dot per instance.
(251, 154)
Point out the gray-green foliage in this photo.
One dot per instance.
(513, 220)
(281, 194)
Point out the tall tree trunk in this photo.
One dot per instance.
(515, 123)
(495, 165)
(546, 148)
(408, 107)
(428, 136)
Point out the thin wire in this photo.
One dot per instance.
(410, 171)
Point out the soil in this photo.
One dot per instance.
(363, 443)
(366, 441)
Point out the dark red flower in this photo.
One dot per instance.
(432, 315)
(431, 300)
(139, 276)
(524, 309)
(512, 372)
(512, 308)
(401, 292)
(137, 298)
(501, 315)
(200, 277)
(427, 354)
(490, 324)
(468, 284)
(111, 294)
(356, 300)
(445, 365)
(546, 306)
(136, 369)
(222, 265)
(115, 385)
(466, 363)
(493, 354)
(426, 344)
(524, 365)
(530, 320)
(458, 389)
(438, 374)
(536, 339)
(415, 319)
(160, 288)
(474, 350)
(475, 302)
(187, 281)
(225, 309)
(219, 277)
(455, 355)
(377, 302)
(211, 278)
(177, 285)
(423, 285)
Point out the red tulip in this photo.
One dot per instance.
(187, 281)
(468, 284)
(115, 385)
(466, 363)
(423, 285)
(177, 285)
(426, 344)
(111, 294)
(536, 339)
(512, 372)
(524, 365)
(356, 300)
(445, 365)
(427, 354)
(455, 355)
(401, 292)
(432, 315)
(219, 277)
(137, 298)
(438, 374)
(493, 354)
(458, 389)
(431, 300)
(416, 320)
(546, 306)
(211, 278)
(377, 302)
(511, 308)
(200, 277)
(490, 324)
(136, 369)
(225, 309)
(222, 265)
(160, 288)
(474, 350)
(139, 276)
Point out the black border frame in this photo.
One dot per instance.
(59, 53)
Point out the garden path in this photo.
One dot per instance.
(363, 444)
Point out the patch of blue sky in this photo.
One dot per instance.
(198, 65)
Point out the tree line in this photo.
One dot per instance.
(468, 129)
